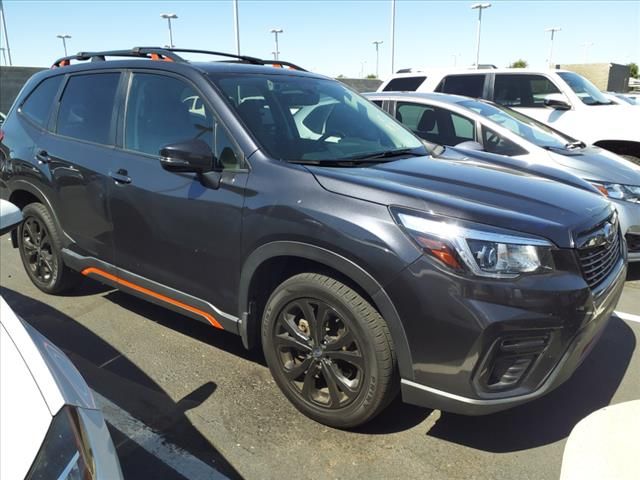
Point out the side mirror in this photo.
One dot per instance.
(557, 101)
(471, 145)
(10, 216)
(189, 156)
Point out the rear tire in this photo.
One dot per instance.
(329, 350)
(40, 248)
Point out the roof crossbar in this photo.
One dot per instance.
(166, 54)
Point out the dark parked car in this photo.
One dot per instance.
(360, 258)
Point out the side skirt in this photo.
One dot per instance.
(151, 291)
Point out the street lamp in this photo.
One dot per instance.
(169, 17)
(377, 44)
(553, 30)
(479, 7)
(586, 46)
(276, 31)
(64, 42)
(455, 58)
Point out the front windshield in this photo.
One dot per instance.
(298, 118)
(584, 89)
(526, 127)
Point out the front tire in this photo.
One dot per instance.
(40, 250)
(329, 350)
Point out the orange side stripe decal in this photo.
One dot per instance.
(151, 293)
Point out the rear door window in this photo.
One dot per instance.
(519, 90)
(37, 106)
(468, 85)
(404, 84)
(87, 107)
(435, 124)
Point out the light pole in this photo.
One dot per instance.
(393, 34)
(64, 41)
(586, 46)
(377, 44)
(236, 26)
(479, 7)
(276, 31)
(4, 54)
(455, 59)
(4, 30)
(553, 30)
(169, 17)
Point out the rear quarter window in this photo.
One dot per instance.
(404, 84)
(467, 85)
(37, 106)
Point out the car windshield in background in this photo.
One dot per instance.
(298, 118)
(584, 89)
(536, 132)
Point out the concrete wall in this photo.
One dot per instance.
(11, 81)
(611, 77)
(362, 84)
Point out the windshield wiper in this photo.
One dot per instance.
(576, 144)
(387, 154)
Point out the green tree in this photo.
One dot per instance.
(371, 75)
(633, 70)
(520, 63)
(341, 76)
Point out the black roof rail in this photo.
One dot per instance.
(166, 54)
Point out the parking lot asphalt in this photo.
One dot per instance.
(182, 397)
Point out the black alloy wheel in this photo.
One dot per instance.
(318, 353)
(38, 251)
(329, 350)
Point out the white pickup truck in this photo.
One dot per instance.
(562, 99)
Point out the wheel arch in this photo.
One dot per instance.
(270, 264)
(22, 194)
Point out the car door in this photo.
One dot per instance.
(435, 124)
(526, 93)
(170, 231)
(79, 156)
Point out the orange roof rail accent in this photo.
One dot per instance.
(151, 293)
(157, 56)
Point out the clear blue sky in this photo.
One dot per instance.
(335, 37)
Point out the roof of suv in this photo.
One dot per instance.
(464, 71)
(157, 56)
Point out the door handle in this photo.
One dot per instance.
(121, 176)
(43, 157)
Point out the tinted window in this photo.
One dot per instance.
(379, 102)
(163, 110)
(468, 85)
(435, 124)
(87, 106)
(495, 143)
(38, 104)
(584, 89)
(404, 84)
(522, 90)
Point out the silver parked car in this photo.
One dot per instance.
(482, 125)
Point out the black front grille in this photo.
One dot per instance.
(598, 261)
(633, 242)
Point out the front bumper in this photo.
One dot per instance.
(458, 327)
(629, 215)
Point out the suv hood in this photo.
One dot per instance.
(596, 164)
(469, 187)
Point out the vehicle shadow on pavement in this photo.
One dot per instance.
(115, 377)
(195, 329)
(552, 417)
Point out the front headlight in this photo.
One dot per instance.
(616, 191)
(64, 454)
(485, 253)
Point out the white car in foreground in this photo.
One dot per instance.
(564, 100)
(50, 427)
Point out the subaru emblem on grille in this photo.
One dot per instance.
(608, 232)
